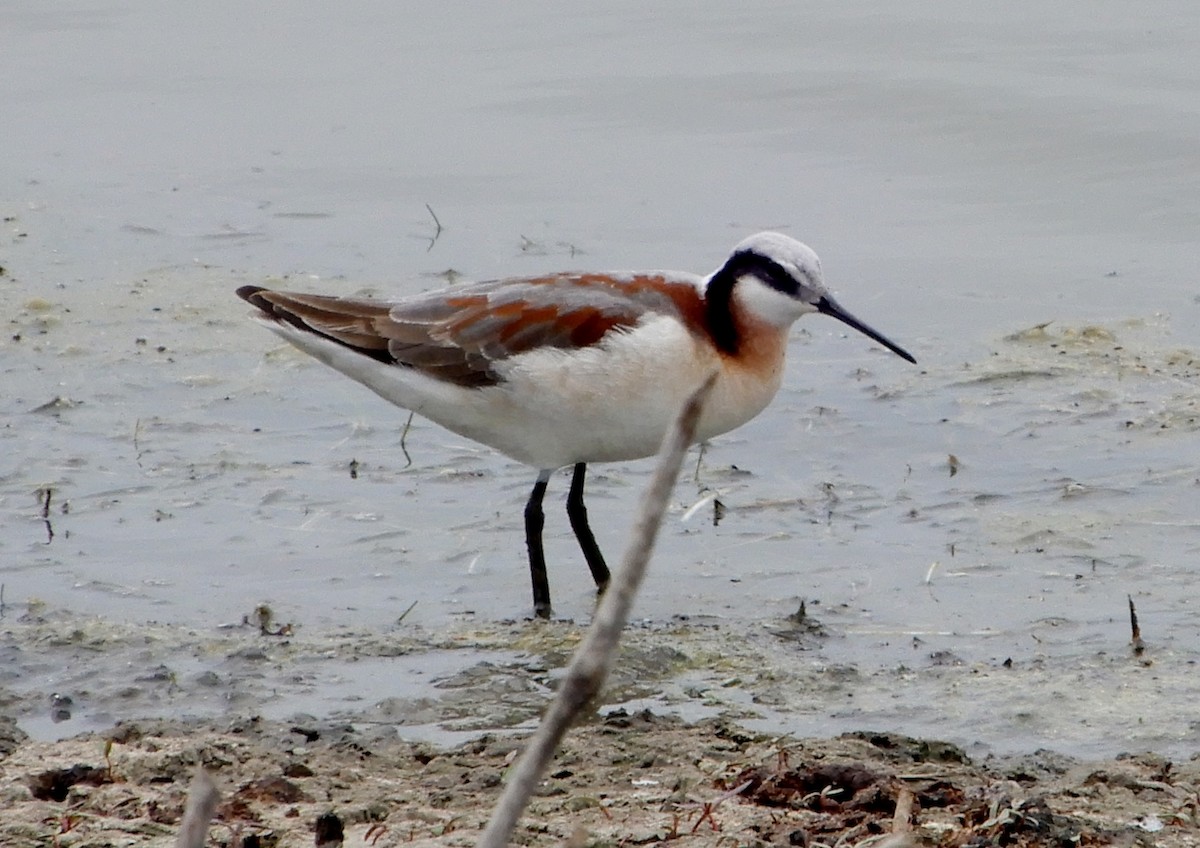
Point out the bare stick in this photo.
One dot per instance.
(202, 803)
(404, 439)
(1139, 646)
(699, 462)
(902, 819)
(404, 614)
(438, 224)
(49, 493)
(594, 657)
(137, 451)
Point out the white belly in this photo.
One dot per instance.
(608, 402)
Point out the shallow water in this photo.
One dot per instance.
(966, 178)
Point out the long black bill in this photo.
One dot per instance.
(828, 306)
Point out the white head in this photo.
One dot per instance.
(777, 279)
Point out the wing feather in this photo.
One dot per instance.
(461, 335)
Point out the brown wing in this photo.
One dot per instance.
(459, 335)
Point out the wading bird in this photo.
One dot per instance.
(572, 368)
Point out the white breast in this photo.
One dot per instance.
(607, 402)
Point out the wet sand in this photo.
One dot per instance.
(621, 779)
(1061, 491)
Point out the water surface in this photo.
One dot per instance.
(1010, 193)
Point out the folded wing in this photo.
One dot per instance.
(459, 335)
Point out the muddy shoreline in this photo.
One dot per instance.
(678, 749)
(621, 779)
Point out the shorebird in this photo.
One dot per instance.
(572, 368)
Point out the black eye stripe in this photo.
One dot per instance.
(767, 270)
(721, 327)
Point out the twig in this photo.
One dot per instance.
(202, 803)
(594, 657)
(699, 462)
(708, 498)
(404, 439)
(48, 493)
(137, 451)
(438, 224)
(1138, 645)
(708, 808)
(902, 820)
(404, 614)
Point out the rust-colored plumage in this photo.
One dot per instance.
(567, 369)
(458, 337)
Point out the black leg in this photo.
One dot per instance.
(535, 519)
(577, 512)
